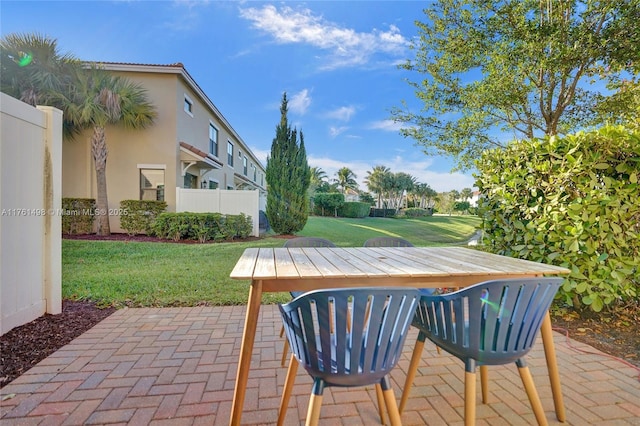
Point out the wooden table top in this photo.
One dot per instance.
(429, 266)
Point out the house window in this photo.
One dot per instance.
(188, 105)
(244, 165)
(213, 184)
(254, 170)
(229, 187)
(152, 184)
(230, 153)
(213, 140)
(190, 181)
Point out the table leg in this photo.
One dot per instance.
(552, 366)
(246, 350)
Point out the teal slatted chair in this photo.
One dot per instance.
(347, 338)
(491, 323)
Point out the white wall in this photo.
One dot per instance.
(220, 201)
(30, 204)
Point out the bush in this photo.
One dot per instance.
(202, 226)
(354, 209)
(417, 212)
(138, 216)
(327, 203)
(78, 215)
(572, 202)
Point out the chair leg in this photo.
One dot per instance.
(411, 372)
(390, 402)
(288, 386)
(381, 403)
(313, 413)
(532, 393)
(285, 352)
(469, 398)
(315, 403)
(484, 383)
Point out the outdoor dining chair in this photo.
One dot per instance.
(346, 338)
(300, 242)
(490, 323)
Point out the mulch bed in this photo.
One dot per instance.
(23, 347)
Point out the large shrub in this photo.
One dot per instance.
(354, 209)
(138, 216)
(202, 226)
(327, 203)
(569, 201)
(416, 212)
(78, 215)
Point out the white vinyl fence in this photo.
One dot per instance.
(30, 212)
(220, 201)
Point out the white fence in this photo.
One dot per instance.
(30, 206)
(220, 201)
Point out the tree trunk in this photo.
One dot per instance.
(99, 152)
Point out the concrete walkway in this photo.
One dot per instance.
(177, 366)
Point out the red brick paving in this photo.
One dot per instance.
(176, 366)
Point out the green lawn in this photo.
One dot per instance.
(167, 274)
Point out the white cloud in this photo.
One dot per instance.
(300, 102)
(343, 113)
(345, 46)
(335, 131)
(386, 125)
(261, 154)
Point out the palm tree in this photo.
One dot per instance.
(375, 181)
(466, 194)
(345, 178)
(318, 176)
(99, 99)
(32, 68)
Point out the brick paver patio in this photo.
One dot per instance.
(177, 366)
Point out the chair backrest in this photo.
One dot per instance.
(387, 242)
(494, 322)
(349, 336)
(308, 242)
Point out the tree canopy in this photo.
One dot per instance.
(520, 68)
(288, 177)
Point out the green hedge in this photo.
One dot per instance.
(202, 226)
(354, 209)
(327, 203)
(572, 202)
(78, 215)
(416, 212)
(138, 216)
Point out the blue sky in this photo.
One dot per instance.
(337, 61)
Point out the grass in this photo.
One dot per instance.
(137, 274)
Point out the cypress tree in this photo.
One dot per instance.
(288, 177)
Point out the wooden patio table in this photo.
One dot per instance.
(304, 269)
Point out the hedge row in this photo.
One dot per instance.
(78, 215)
(354, 209)
(572, 202)
(202, 226)
(416, 212)
(138, 216)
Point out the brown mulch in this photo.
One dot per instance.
(23, 347)
(615, 334)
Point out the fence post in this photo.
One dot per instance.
(53, 204)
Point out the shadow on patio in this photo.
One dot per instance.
(177, 366)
